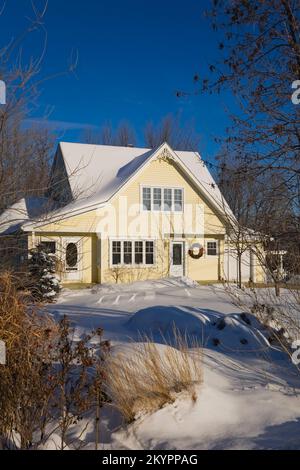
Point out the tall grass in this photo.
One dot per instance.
(152, 375)
(50, 380)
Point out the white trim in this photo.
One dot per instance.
(133, 265)
(183, 244)
(212, 240)
(78, 242)
(152, 187)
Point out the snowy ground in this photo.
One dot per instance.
(250, 397)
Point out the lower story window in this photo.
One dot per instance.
(138, 252)
(132, 253)
(49, 247)
(149, 253)
(116, 253)
(127, 252)
(212, 248)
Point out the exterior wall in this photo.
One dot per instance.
(124, 219)
(158, 226)
(88, 268)
(259, 273)
(250, 266)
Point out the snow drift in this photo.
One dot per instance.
(236, 333)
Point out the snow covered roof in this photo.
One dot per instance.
(97, 172)
(24, 210)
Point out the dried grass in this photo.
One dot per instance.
(153, 375)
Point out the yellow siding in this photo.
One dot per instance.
(113, 222)
(88, 267)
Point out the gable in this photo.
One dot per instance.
(97, 173)
(60, 190)
(165, 174)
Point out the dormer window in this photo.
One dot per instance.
(159, 199)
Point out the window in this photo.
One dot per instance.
(177, 254)
(212, 248)
(72, 257)
(168, 200)
(157, 199)
(116, 253)
(147, 199)
(49, 247)
(178, 200)
(127, 252)
(132, 253)
(138, 256)
(163, 199)
(149, 253)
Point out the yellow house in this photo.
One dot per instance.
(124, 214)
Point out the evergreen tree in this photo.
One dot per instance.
(45, 285)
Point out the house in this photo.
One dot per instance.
(124, 214)
(13, 243)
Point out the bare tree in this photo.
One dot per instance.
(263, 212)
(170, 130)
(259, 61)
(25, 150)
(123, 136)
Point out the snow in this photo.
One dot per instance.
(249, 398)
(23, 210)
(210, 329)
(53, 443)
(224, 417)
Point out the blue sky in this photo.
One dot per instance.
(133, 56)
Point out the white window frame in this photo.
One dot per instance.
(162, 188)
(133, 264)
(212, 240)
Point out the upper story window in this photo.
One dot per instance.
(178, 203)
(162, 199)
(147, 199)
(157, 199)
(212, 248)
(167, 200)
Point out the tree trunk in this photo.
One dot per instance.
(277, 289)
(239, 271)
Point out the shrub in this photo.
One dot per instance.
(152, 375)
(49, 380)
(44, 285)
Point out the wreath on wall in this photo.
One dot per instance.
(196, 251)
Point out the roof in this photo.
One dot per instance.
(24, 210)
(97, 172)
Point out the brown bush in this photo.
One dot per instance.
(49, 379)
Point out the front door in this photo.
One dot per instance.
(72, 258)
(177, 259)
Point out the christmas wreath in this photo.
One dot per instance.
(196, 251)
